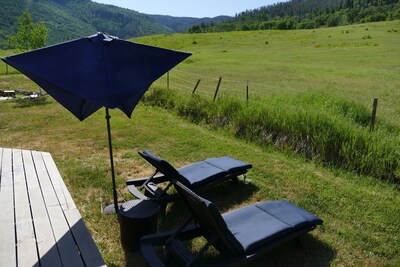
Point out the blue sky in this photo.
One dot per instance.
(190, 8)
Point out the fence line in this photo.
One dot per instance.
(181, 79)
(215, 78)
(186, 87)
(248, 90)
(209, 94)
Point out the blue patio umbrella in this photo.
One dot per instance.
(98, 71)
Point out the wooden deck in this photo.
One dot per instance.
(39, 222)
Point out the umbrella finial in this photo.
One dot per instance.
(101, 37)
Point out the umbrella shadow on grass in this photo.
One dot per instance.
(31, 102)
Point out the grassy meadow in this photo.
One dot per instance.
(357, 62)
(360, 213)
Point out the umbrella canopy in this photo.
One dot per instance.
(97, 71)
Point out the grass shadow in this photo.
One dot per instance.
(303, 251)
(31, 102)
(134, 258)
(177, 211)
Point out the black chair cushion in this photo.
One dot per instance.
(255, 225)
(199, 173)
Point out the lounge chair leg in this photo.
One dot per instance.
(163, 209)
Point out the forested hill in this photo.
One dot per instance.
(302, 14)
(68, 19)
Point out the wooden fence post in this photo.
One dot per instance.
(373, 116)
(216, 90)
(168, 80)
(247, 91)
(197, 84)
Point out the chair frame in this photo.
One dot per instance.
(154, 193)
(174, 241)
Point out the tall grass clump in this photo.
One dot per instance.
(160, 98)
(321, 136)
(195, 108)
(329, 130)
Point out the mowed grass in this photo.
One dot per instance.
(361, 213)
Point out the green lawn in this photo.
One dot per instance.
(361, 214)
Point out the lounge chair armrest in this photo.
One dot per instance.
(159, 200)
(134, 191)
(139, 181)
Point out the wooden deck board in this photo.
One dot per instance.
(41, 225)
(64, 238)
(46, 242)
(90, 254)
(63, 195)
(8, 253)
(26, 256)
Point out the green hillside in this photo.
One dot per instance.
(68, 19)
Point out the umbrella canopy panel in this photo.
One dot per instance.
(89, 73)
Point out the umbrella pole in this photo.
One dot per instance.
(112, 162)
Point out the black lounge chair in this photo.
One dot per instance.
(196, 175)
(239, 235)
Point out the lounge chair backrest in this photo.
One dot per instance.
(162, 166)
(209, 218)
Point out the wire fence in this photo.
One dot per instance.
(207, 86)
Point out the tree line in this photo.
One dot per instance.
(307, 14)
